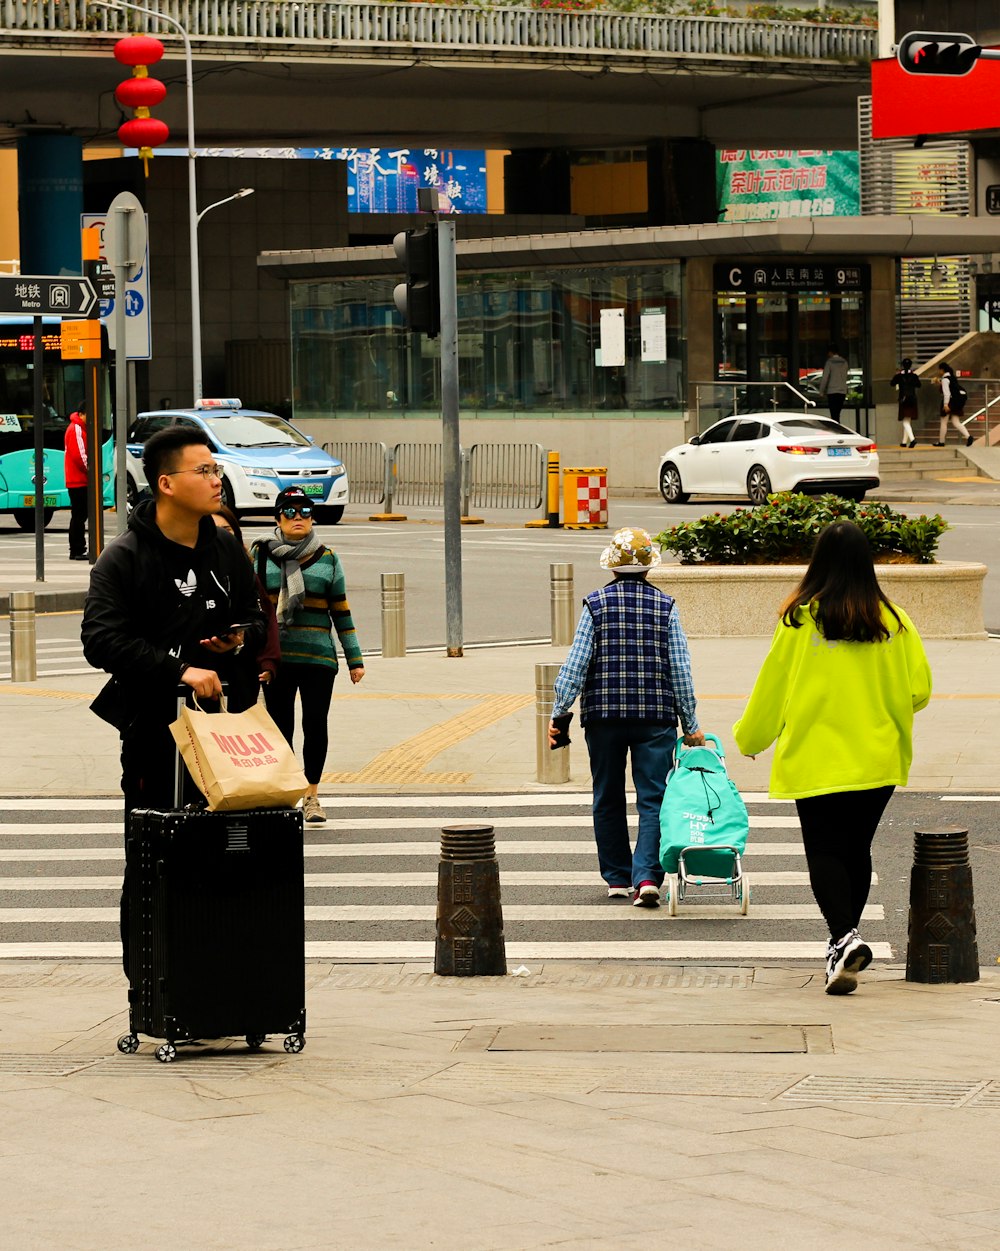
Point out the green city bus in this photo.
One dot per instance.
(63, 393)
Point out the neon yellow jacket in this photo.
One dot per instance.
(842, 713)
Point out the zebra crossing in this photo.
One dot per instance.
(371, 884)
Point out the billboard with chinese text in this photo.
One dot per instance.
(764, 185)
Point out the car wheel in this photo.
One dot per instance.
(25, 518)
(670, 485)
(330, 514)
(758, 485)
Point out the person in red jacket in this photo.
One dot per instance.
(75, 468)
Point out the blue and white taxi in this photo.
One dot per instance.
(260, 453)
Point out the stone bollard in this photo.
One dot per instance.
(23, 653)
(393, 614)
(561, 604)
(550, 766)
(469, 940)
(941, 938)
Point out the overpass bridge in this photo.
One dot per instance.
(323, 72)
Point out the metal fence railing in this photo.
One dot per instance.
(511, 28)
(418, 475)
(505, 475)
(366, 469)
(982, 414)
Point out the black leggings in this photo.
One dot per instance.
(314, 684)
(837, 832)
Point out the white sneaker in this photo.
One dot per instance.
(844, 961)
(619, 892)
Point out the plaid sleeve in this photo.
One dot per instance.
(573, 673)
(680, 674)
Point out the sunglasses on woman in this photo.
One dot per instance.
(296, 510)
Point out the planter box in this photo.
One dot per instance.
(944, 601)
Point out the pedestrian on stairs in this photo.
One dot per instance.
(836, 694)
(953, 397)
(907, 385)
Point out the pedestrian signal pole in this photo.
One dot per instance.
(428, 301)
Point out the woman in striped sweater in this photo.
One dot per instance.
(305, 582)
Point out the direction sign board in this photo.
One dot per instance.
(30, 295)
(138, 338)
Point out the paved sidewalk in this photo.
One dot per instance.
(578, 1107)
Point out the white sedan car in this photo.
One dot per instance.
(762, 453)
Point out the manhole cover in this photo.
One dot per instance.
(786, 1039)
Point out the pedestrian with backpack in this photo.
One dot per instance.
(953, 397)
(836, 695)
(907, 385)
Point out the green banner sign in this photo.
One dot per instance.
(765, 185)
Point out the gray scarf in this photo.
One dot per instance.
(293, 585)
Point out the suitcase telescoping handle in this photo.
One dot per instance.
(183, 694)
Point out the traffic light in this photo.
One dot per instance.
(931, 52)
(417, 298)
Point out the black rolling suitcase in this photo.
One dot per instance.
(216, 926)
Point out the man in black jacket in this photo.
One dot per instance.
(162, 600)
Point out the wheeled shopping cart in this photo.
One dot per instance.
(703, 829)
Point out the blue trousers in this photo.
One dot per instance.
(651, 746)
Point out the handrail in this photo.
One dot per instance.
(345, 22)
(735, 386)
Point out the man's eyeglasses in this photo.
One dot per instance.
(296, 510)
(206, 471)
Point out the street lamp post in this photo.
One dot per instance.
(237, 195)
(192, 185)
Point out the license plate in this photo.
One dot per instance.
(838, 451)
(313, 488)
(48, 501)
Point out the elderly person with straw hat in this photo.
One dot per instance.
(630, 665)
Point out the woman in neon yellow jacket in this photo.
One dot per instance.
(837, 692)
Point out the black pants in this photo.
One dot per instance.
(835, 402)
(314, 684)
(837, 832)
(77, 521)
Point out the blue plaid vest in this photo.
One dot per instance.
(629, 675)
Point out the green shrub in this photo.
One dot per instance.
(783, 531)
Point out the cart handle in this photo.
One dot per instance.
(680, 749)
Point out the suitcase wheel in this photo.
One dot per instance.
(166, 1052)
(295, 1042)
(256, 1041)
(128, 1044)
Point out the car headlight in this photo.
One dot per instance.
(337, 471)
(262, 471)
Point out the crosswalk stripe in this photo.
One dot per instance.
(512, 912)
(512, 877)
(674, 949)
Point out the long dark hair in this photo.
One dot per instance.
(841, 589)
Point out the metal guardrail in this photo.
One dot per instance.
(419, 475)
(494, 475)
(715, 400)
(366, 469)
(441, 26)
(984, 395)
(505, 475)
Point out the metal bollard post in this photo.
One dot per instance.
(469, 929)
(941, 935)
(23, 663)
(550, 766)
(393, 614)
(561, 604)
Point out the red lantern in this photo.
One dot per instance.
(136, 93)
(138, 50)
(140, 92)
(143, 132)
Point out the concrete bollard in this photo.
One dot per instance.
(941, 936)
(550, 766)
(23, 662)
(393, 614)
(561, 604)
(469, 930)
